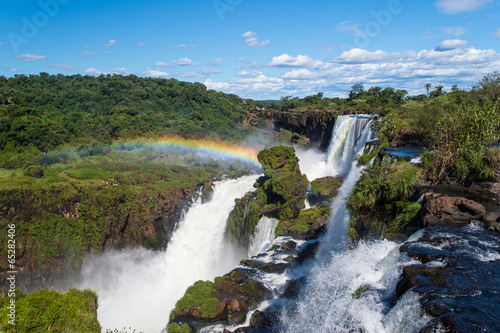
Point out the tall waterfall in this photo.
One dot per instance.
(327, 304)
(139, 288)
(349, 135)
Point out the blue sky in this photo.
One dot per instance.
(258, 49)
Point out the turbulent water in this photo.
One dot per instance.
(138, 288)
(340, 290)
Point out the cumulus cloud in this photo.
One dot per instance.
(403, 70)
(249, 73)
(155, 73)
(301, 73)
(451, 44)
(186, 62)
(162, 64)
(253, 41)
(87, 52)
(286, 60)
(216, 62)
(110, 52)
(31, 57)
(459, 6)
(111, 42)
(93, 71)
(122, 71)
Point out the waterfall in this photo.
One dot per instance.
(349, 136)
(326, 303)
(263, 236)
(138, 288)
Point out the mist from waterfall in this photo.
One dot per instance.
(138, 288)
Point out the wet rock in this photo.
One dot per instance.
(452, 210)
(290, 245)
(236, 318)
(492, 221)
(308, 252)
(293, 287)
(418, 275)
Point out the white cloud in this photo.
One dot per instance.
(155, 74)
(110, 52)
(408, 70)
(209, 71)
(451, 44)
(351, 28)
(496, 34)
(61, 67)
(93, 71)
(253, 41)
(141, 44)
(189, 74)
(86, 52)
(249, 74)
(186, 46)
(122, 71)
(216, 62)
(301, 73)
(31, 57)
(458, 6)
(11, 70)
(286, 60)
(1, 43)
(162, 64)
(111, 42)
(186, 62)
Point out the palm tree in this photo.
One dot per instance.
(428, 87)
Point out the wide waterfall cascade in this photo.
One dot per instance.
(263, 236)
(138, 288)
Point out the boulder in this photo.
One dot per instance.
(492, 221)
(452, 210)
(326, 186)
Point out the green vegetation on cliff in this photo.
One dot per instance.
(51, 311)
(377, 201)
(280, 193)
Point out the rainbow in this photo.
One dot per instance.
(217, 150)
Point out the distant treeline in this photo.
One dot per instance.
(44, 111)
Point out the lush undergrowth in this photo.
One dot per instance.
(51, 311)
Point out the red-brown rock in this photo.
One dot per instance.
(452, 210)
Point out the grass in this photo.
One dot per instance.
(49, 310)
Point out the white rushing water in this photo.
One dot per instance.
(263, 236)
(350, 133)
(138, 288)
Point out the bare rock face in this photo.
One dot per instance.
(452, 210)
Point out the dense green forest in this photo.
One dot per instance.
(41, 112)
